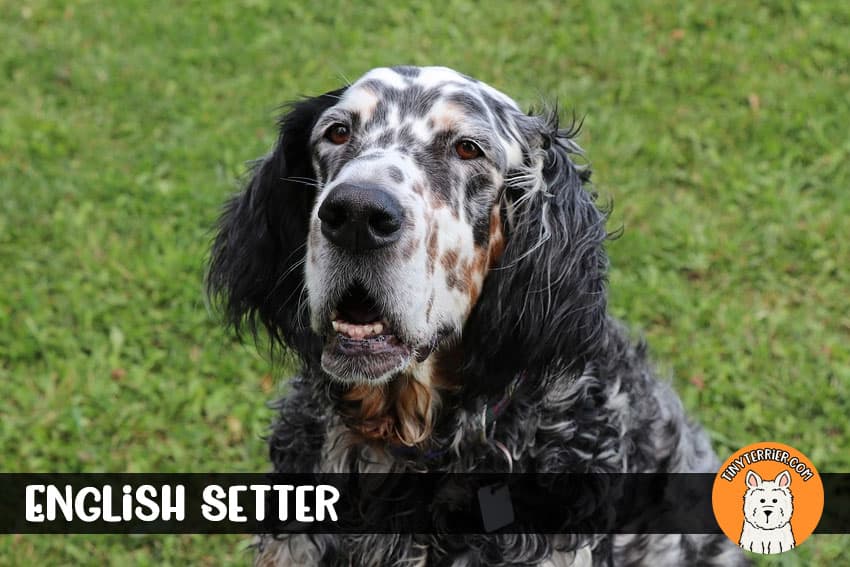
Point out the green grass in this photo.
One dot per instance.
(719, 131)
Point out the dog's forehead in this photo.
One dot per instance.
(437, 91)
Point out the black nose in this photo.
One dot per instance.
(361, 217)
(767, 513)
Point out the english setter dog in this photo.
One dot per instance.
(432, 254)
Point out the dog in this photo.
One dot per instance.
(435, 258)
(768, 506)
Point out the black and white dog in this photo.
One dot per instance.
(431, 253)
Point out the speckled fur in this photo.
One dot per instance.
(590, 402)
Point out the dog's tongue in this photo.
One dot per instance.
(357, 307)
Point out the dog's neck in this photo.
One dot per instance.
(404, 411)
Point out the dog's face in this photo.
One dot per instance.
(410, 164)
(417, 209)
(768, 504)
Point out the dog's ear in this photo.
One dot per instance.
(783, 479)
(255, 269)
(544, 304)
(752, 479)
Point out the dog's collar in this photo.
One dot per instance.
(489, 414)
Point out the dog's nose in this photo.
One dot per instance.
(359, 216)
(767, 513)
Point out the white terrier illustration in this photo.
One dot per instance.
(768, 505)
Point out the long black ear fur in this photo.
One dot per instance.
(256, 264)
(545, 304)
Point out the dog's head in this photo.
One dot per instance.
(768, 504)
(413, 210)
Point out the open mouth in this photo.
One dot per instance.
(358, 317)
(363, 344)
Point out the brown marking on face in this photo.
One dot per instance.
(447, 116)
(497, 237)
(431, 252)
(455, 271)
(409, 248)
(419, 189)
(470, 281)
(435, 202)
(364, 101)
(485, 258)
(450, 259)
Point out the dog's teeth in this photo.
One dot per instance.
(359, 331)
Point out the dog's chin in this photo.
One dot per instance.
(373, 360)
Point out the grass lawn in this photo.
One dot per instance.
(720, 132)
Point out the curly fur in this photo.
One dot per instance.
(590, 401)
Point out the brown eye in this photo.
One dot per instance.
(467, 149)
(338, 134)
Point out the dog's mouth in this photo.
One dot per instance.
(362, 344)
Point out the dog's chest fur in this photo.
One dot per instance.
(614, 418)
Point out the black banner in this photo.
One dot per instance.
(374, 503)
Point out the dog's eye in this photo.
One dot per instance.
(467, 149)
(338, 134)
(774, 500)
(762, 500)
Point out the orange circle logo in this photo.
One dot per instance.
(767, 497)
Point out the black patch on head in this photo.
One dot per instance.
(417, 101)
(385, 139)
(377, 87)
(481, 230)
(500, 110)
(395, 174)
(355, 121)
(479, 215)
(470, 104)
(407, 71)
(378, 117)
(405, 136)
(434, 160)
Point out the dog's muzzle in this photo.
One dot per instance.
(359, 218)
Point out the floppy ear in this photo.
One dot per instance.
(544, 305)
(255, 269)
